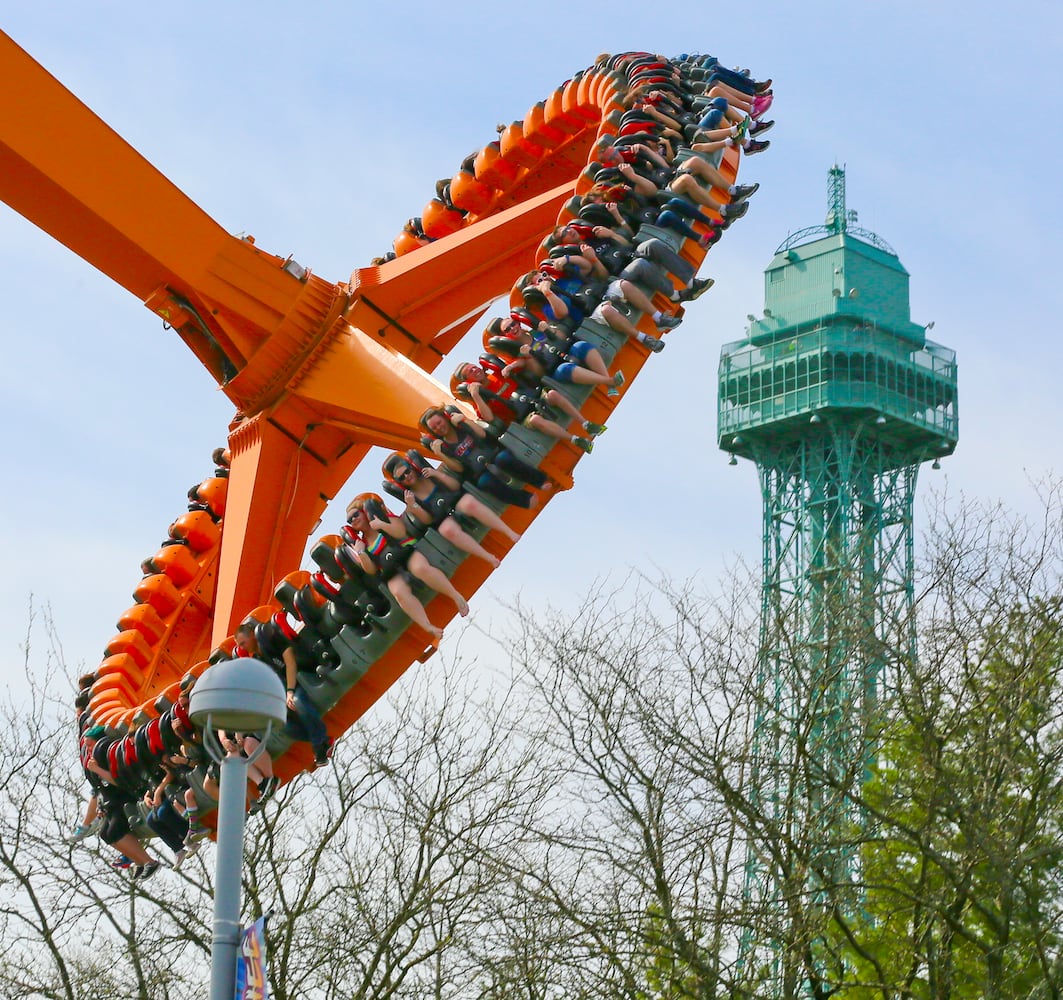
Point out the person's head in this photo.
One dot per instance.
(464, 373)
(357, 515)
(510, 326)
(81, 699)
(435, 422)
(245, 639)
(614, 191)
(501, 326)
(529, 279)
(575, 233)
(87, 744)
(397, 468)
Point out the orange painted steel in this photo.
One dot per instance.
(284, 348)
(287, 346)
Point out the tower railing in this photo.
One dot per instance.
(834, 365)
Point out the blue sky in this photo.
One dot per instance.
(320, 132)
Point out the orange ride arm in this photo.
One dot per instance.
(346, 388)
(313, 391)
(319, 371)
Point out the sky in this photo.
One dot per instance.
(320, 131)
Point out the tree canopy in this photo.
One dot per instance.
(586, 830)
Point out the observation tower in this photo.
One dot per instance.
(838, 397)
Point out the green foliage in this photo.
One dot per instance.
(960, 865)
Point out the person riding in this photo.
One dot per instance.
(384, 548)
(268, 641)
(468, 450)
(433, 497)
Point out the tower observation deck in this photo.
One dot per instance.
(838, 397)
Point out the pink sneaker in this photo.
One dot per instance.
(760, 105)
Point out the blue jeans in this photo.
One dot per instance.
(669, 220)
(305, 722)
(169, 824)
(676, 207)
(715, 116)
(733, 79)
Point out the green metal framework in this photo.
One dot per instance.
(770, 389)
(839, 219)
(838, 398)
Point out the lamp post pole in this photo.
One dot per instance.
(227, 871)
(247, 696)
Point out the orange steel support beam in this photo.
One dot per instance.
(319, 371)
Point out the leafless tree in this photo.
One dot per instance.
(377, 871)
(937, 874)
(594, 829)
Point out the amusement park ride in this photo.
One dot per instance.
(319, 371)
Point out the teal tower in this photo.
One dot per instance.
(838, 397)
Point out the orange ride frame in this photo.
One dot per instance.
(319, 371)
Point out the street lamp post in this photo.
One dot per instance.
(244, 695)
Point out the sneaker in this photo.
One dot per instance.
(584, 444)
(594, 429)
(121, 862)
(762, 87)
(654, 344)
(734, 211)
(744, 191)
(698, 287)
(618, 381)
(266, 788)
(196, 831)
(755, 146)
(709, 239)
(84, 831)
(323, 755)
(668, 322)
(186, 852)
(760, 105)
(143, 872)
(759, 127)
(742, 128)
